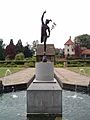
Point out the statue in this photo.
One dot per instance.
(45, 31)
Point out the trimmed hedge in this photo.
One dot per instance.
(15, 63)
(31, 63)
(73, 63)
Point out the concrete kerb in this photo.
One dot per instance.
(58, 79)
(64, 85)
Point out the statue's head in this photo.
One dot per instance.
(47, 21)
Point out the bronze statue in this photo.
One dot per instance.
(45, 31)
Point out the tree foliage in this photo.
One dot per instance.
(77, 50)
(83, 40)
(35, 43)
(2, 55)
(19, 47)
(27, 51)
(10, 50)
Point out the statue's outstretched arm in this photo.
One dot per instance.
(43, 17)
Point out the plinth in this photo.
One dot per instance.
(44, 95)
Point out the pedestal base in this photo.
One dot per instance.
(44, 98)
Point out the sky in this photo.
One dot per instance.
(21, 19)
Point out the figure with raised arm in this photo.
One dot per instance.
(45, 31)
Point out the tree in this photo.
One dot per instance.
(28, 52)
(34, 44)
(77, 50)
(2, 54)
(10, 50)
(19, 47)
(83, 40)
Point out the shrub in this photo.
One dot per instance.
(26, 64)
(19, 56)
(33, 58)
(59, 65)
(29, 64)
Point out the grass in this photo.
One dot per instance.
(78, 70)
(11, 69)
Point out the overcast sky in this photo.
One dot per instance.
(21, 19)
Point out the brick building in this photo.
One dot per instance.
(50, 52)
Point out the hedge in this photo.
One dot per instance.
(30, 63)
(15, 63)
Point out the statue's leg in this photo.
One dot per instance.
(45, 45)
(41, 39)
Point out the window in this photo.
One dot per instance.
(68, 55)
(68, 50)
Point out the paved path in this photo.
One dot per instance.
(65, 76)
(70, 77)
(20, 77)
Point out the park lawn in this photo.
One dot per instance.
(9, 70)
(77, 70)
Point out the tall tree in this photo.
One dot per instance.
(77, 50)
(2, 54)
(10, 50)
(28, 52)
(19, 47)
(83, 40)
(34, 44)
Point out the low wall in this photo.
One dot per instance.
(17, 87)
(72, 87)
(1, 87)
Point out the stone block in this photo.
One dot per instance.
(44, 98)
(44, 71)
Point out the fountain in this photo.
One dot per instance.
(43, 91)
(44, 97)
(82, 71)
(8, 72)
(75, 96)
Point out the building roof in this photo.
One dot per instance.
(50, 49)
(69, 42)
(86, 52)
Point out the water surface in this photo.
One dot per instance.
(76, 106)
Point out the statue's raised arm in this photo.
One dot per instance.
(43, 17)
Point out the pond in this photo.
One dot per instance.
(76, 106)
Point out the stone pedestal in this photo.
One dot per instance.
(44, 71)
(44, 95)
